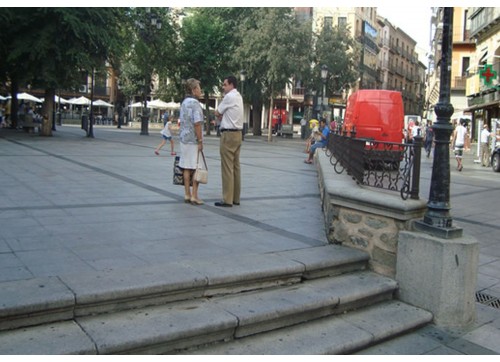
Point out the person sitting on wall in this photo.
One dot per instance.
(324, 131)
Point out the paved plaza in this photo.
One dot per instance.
(71, 205)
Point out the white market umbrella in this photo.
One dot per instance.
(62, 100)
(157, 103)
(137, 105)
(101, 103)
(28, 97)
(173, 105)
(82, 101)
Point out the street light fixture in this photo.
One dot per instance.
(437, 219)
(324, 75)
(145, 33)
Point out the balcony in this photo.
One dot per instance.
(458, 83)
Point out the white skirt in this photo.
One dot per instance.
(189, 154)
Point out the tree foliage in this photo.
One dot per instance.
(205, 51)
(50, 47)
(274, 48)
(152, 51)
(335, 48)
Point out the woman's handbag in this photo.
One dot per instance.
(178, 172)
(201, 174)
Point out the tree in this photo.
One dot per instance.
(50, 47)
(335, 48)
(205, 52)
(274, 48)
(153, 52)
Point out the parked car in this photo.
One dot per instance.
(495, 159)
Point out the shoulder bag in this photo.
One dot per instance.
(201, 172)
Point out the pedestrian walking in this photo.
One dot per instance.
(165, 118)
(230, 111)
(415, 131)
(166, 135)
(191, 138)
(485, 146)
(428, 138)
(303, 124)
(458, 142)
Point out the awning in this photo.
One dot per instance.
(483, 57)
(480, 106)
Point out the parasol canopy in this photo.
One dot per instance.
(82, 101)
(101, 103)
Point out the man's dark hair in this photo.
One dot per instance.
(232, 80)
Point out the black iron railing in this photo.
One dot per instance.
(385, 165)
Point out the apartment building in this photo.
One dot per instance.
(388, 58)
(400, 68)
(482, 90)
(463, 50)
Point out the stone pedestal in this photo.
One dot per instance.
(439, 275)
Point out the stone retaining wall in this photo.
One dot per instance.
(365, 218)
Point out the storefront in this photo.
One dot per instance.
(484, 107)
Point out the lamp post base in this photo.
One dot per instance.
(144, 126)
(440, 232)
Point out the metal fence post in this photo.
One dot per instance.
(415, 180)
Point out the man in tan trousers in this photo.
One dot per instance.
(230, 110)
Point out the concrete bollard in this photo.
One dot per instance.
(439, 275)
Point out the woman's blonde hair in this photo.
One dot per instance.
(191, 84)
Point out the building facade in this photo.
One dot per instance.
(400, 68)
(463, 50)
(482, 90)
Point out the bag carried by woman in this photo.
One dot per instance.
(201, 172)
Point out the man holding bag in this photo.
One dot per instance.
(230, 111)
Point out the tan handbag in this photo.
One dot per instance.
(201, 173)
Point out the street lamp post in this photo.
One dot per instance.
(324, 75)
(90, 133)
(437, 219)
(245, 124)
(151, 23)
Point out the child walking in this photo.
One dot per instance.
(166, 134)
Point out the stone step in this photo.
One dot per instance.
(178, 326)
(337, 334)
(54, 299)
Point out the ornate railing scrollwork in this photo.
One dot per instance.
(385, 165)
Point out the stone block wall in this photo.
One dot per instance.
(365, 218)
(375, 234)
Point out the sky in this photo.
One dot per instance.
(414, 21)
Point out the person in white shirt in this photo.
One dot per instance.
(230, 111)
(166, 134)
(458, 141)
(415, 131)
(303, 124)
(485, 147)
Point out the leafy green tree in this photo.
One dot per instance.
(205, 52)
(335, 48)
(274, 49)
(50, 47)
(153, 52)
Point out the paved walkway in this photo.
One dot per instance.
(71, 205)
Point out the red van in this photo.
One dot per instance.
(376, 115)
(276, 114)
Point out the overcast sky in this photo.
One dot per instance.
(413, 20)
